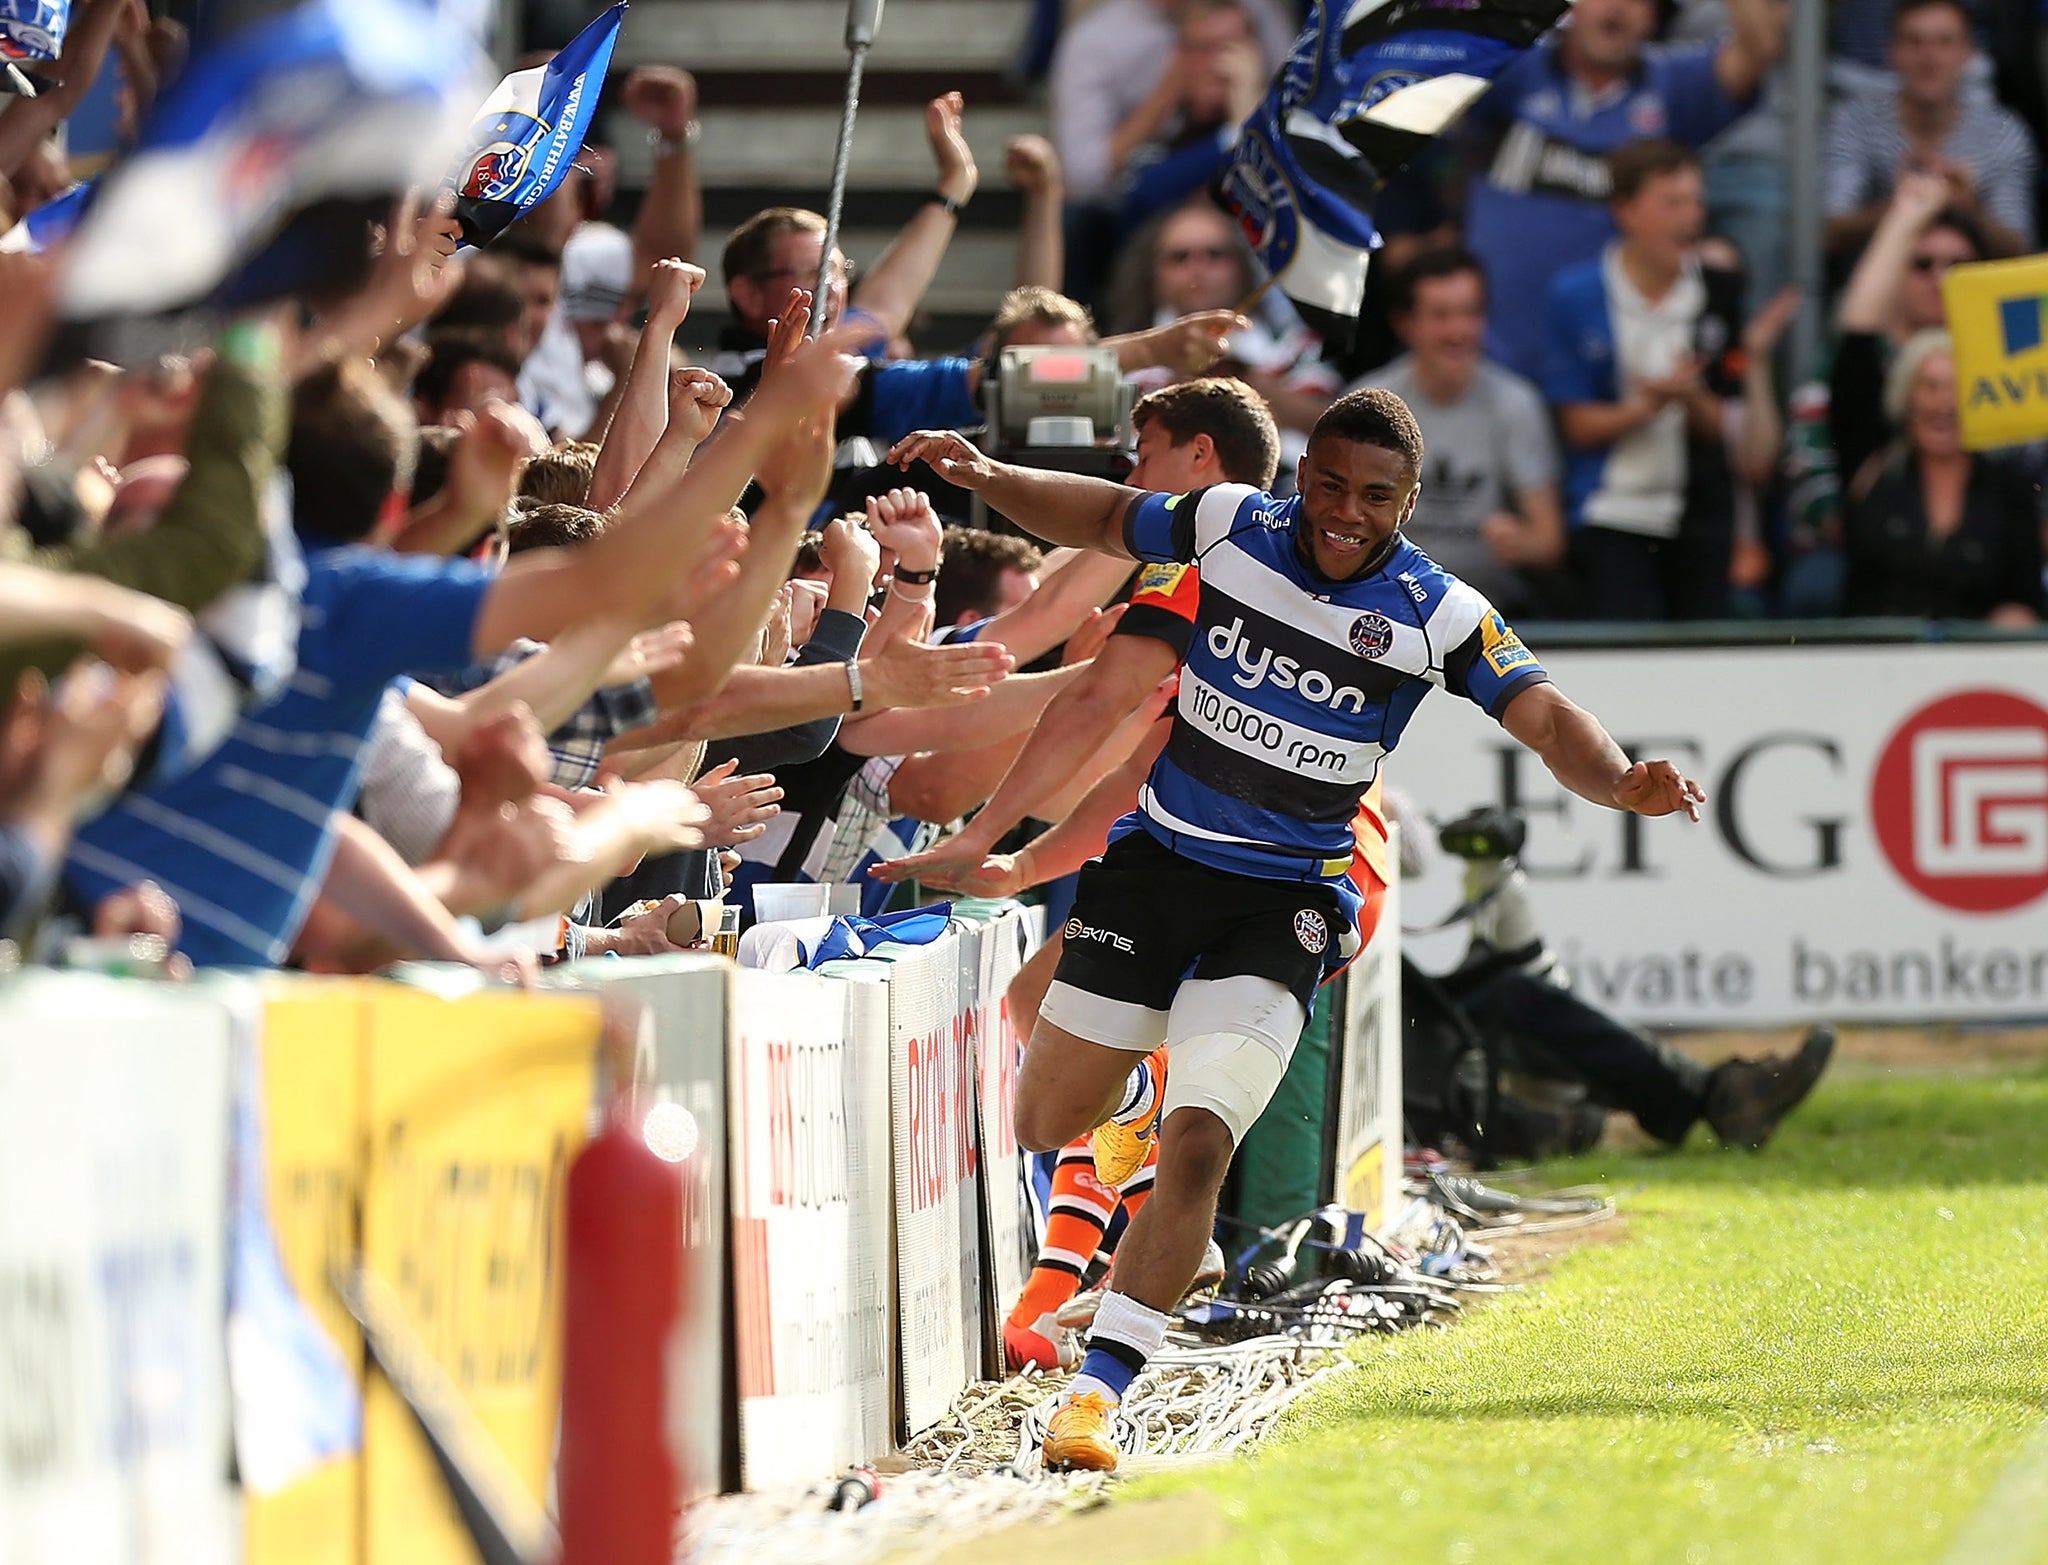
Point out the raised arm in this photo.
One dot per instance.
(895, 284)
(1071, 587)
(1584, 757)
(1756, 39)
(1034, 168)
(642, 416)
(1063, 850)
(671, 218)
(1063, 508)
(1010, 708)
(1074, 726)
(1870, 301)
(631, 568)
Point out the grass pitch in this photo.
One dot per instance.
(1827, 1352)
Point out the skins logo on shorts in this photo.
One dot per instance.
(1312, 931)
(1503, 648)
(1371, 635)
(1076, 930)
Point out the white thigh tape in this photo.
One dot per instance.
(1115, 1024)
(1232, 1076)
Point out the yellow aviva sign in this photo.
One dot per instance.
(1998, 313)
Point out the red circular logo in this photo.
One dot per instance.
(1960, 801)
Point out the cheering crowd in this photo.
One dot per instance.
(455, 614)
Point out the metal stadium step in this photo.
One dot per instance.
(797, 35)
(784, 147)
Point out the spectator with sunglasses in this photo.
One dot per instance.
(1193, 261)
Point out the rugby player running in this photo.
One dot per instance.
(1212, 915)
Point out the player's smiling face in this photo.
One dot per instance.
(1354, 497)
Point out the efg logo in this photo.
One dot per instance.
(1959, 801)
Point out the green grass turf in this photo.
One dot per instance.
(1826, 1352)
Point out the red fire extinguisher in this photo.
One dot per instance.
(619, 1481)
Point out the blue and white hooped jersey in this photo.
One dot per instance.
(1296, 686)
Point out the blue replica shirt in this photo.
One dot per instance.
(243, 842)
(1541, 204)
(1295, 686)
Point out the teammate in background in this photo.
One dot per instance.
(1318, 631)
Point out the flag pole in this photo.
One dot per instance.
(863, 19)
(1250, 301)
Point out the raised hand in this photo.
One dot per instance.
(652, 652)
(696, 397)
(786, 332)
(807, 601)
(671, 285)
(483, 469)
(662, 98)
(998, 875)
(1760, 336)
(712, 566)
(954, 158)
(908, 673)
(775, 634)
(1658, 788)
(904, 523)
(741, 807)
(94, 721)
(951, 456)
(1193, 343)
(1033, 165)
(1093, 635)
(1919, 194)
(850, 552)
(664, 816)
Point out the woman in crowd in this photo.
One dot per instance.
(1928, 528)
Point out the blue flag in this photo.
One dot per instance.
(33, 30)
(258, 168)
(1365, 87)
(529, 131)
(31, 33)
(52, 222)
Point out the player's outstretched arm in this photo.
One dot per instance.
(1584, 757)
(1063, 508)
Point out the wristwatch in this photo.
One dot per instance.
(667, 146)
(952, 206)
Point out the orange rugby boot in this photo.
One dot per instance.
(1082, 1436)
(1121, 1150)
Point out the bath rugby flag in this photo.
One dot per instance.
(1998, 314)
(261, 166)
(1367, 84)
(529, 131)
(31, 33)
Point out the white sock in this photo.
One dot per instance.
(1125, 1335)
(1139, 1093)
(1081, 1385)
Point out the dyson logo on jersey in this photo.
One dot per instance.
(1257, 665)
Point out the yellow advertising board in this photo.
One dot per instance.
(1365, 1186)
(1998, 314)
(474, 1110)
(313, 1062)
(430, 1139)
